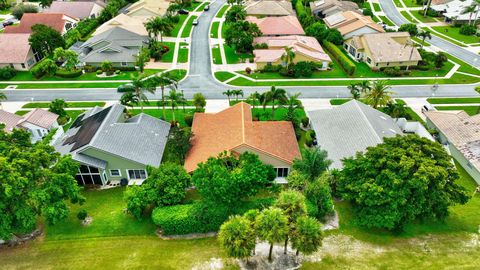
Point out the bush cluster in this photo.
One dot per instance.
(46, 67)
(69, 74)
(342, 59)
(468, 30)
(396, 72)
(7, 73)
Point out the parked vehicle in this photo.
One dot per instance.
(7, 23)
(125, 88)
(195, 22)
(206, 8)
(183, 12)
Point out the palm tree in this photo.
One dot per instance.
(292, 103)
(183, 100)
(158, 26)
(163, 80)
(427, 8)
(175, 98)
(424, 34)
(263, 99)
(364, 86)
(238, 93)
(354, 90)
(129, 99)
(228, 93)
(276, 94)
(141, 86)
(469, 9)
(476, 3)
(395, 110)
(379, 94)
(313, 163)
(253, 98)
(288, 56)
(2, 98)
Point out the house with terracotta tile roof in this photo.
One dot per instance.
(325, 8)
(269, 8)
(351, 23)
(234, 130)
(460, 133)
(380, 50)
(38, 122)
(16, 52)
(76, 9)
(306, 49)
(58, 21)
(132, 24)
(277, 26)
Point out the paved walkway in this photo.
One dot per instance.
(416, 104)
(216, 105)
(312, 104)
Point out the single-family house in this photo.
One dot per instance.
(278, 26)
(148, 8)
(305, 48)
(234, 130)
(38, 123)
(132, 24)
(325, 8)
(269, 8)
(110, 146)
(78, 9)
(350, 24)
(352, 127)
(392, 49)
(454, 11)
(16, 52)
(116, 45)
(461, 134)
(58, 21)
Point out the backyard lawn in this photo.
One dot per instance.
(158, 113)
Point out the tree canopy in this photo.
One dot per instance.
(313, 163)
(237, 237)
(35, 181)
(45, 39)
(401, 180)
(240, 35)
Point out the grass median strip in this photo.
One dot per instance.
(224, 75)
(188, 27)
(222, 11)
(453, 100)
(32, 105)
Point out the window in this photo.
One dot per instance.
(281, 172)
(345, 46)
(39, 133)
(137, 174)
(369, 60)
(88, 175)
(115, 173)
(124, 64)
(23, 65)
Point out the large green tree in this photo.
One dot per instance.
(159, 26)
(307, 236)
(400, 180)
(319, 193)
(271, 225)
(293, 206)
(165, 185)
(235, 14)
(240, 35)
(35, 181)
(313, 163)
(228, 179)
(45, 39)
(68, 57)
(237, 237)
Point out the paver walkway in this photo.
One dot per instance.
(311, 104)
(216, 105)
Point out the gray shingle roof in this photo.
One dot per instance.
(141, 139)
(352, 127)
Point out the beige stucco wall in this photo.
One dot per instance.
(265, 158)
(18, 66)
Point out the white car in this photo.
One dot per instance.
(195, 22)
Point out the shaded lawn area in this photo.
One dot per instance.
(234, 57)
(454, 32)
(158, 113)
(223, 75)
(92, 76)
(88, 104)
(178, 25)
(386, 21)
(470, 110)
(188, 27)
(214, 30)
(168, 56)
(222, 11)
(217, 56)
(453, 100)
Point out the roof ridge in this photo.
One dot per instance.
(357, 105)
(102, 124)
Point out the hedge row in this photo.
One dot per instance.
(342, 59)
(198, 217)
(69, 74)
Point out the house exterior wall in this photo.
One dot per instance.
(30, 62)
(37, 132)
(359, 32)
(298, 58)
(96, 10)
(265, 158)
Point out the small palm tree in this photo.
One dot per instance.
(288, 57)
(364, 86)
(263, 99)
(228, 93)
(175, 98)
(142, 86)
(254, 97)
(292, 104)
(379, 94)
(354, 90)
(3, 97)
(163, 80)
(470, 9)
(158, 26)
(276, 94)
(424, 35)
(238, 93)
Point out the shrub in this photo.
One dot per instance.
(304, 69)
(261, 46)
(99, 72)
(305, 121)
(319, 193)
(107, 66)
(248, 70)
(117, 71)
(468, 30)
(342, 59)
(271, 68)
(82, 214)
(309, 139)
(85, 27)
(69, 74)
(188, 119)
(89, 68)
(46, 67)
(109, 73)
(19, 10)
(367, 12)
(7, 73)
(312, 209)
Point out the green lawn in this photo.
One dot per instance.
(168, 57)
(217, 56)
(70, 104)
(178, 25)
(446, 37)
(92, 76)
(420, 41)
(188, 27)
(454, 33)
(222, 11)
(419, 15)
(223, 75)
(470, 110)
(193, 6)
(183, 53)
(410, 3)
(386, 20)
(376, 7)
(201, 7)
(453, 100)
(158, 113)
(397, 3)
(233, 57)
(280, 113)
(214, 30)
(407, 16)
(63, 85)
(464, 67)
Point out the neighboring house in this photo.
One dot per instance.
(305, 49)
(79, 10)
(148, 8)
(16, 52)
(461, 134)
(278, 26)
(38, 122)
(352, 127)
(269, 8)
(58, 21)
(350, 23)
(392, 49)
(234, 130)
(116, 45)
(110, 146)
(453, 11)
(132, 24)
(325, 8)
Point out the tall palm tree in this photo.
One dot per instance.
(165, 79)
(288, 56)
(292, 104)
(354, 90)
(276, 94)
(142, 86)
(364, 86)
(238, 93)
(2, 98)
(379, 95)
(175, 98)
(183, 100)
(424, 35)
(263, 99)
(476, 3)
(253, 98)
(158, 26)
(470, 9)
(429, 3)
(228, 93)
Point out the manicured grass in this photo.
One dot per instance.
(214, 30)
(201, 7)
(407, 16)
(397, 3)
(188, 27)
(454, 33)
(193, 6)
(453, 100)
(419, 16)
(63, 85)
(70, 104)
(376, 7)
(464, 67)
(168, 56)
(178, 74)
(420, 41)
(339, 101)
(222, 11)
(216, 56)
(446, 37)
(223, 75)
(410, 3)
(183, 53)
(386, 20)
(266, 115)
(92, 76)
(178, 25)
(470, 110)
(233, 57)
(158, 113)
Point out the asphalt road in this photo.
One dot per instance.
(388, 6)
